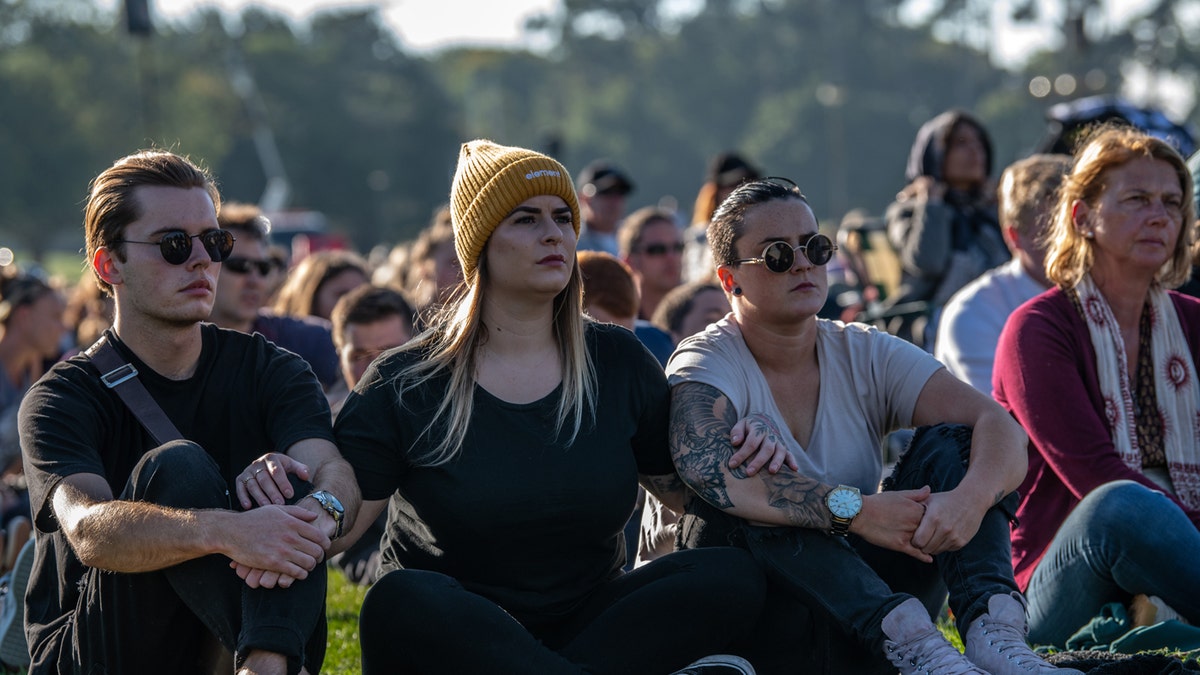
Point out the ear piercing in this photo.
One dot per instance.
(737, 290)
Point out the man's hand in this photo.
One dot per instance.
(274, 545)
(951, 521)
(757, 436)
(890, 519)
(265, 481)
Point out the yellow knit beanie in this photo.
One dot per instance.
(491, 180)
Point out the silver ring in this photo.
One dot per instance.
(246, 480)
(258, 472)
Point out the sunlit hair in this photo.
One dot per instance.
(298, 295)
(111, 203)
(728, 221)
(451, 348)
(1027, 192)
(1070, 254)
(245, 221)
(608, 284)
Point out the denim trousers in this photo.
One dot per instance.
(827, 596)
(162, 621)
(653, 620)
(1122, 539)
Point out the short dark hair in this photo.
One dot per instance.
(676, 304)
(245, 219)
(18, 289)
(111, 205)
(727, 221)
(368, 304)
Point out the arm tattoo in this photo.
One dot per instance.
(701, 419)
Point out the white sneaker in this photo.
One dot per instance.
(996, 640)
(718, 664)
(916, 646)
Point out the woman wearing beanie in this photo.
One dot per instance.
(510, 439)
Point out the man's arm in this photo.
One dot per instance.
(332, 473)
(701, 420)
(130, 537)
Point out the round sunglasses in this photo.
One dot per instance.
(239, 265)
(176, 245)
(779, 256)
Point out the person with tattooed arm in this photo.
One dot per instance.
(872, 564)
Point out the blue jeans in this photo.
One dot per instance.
(815, 579)
(1121, 540)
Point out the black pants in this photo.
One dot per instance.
(654, 620)
(827, 596)
(160, 622)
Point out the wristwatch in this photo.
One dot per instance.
(333, 507)
(844, 503)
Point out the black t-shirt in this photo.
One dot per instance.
(246, 398)
(519, 516)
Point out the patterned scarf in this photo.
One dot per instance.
(1175, 383)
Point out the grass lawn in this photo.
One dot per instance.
(342, 657)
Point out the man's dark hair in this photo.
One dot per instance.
(368, 304)
(244, 219)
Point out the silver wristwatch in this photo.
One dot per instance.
(333, 507)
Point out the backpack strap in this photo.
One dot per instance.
(121, 377)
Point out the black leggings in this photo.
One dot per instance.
(654, 620)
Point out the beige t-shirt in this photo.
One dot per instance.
(870, 382)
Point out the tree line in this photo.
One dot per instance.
(827, 92)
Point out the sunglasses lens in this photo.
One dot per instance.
(218, 244)
(819, 249)
(176, 247)
(778, 257)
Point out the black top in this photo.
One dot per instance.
(246, 398)
(518, 517)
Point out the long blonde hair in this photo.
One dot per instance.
(1069, 254)
(452, 345)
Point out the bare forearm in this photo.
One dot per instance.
(999, 458)
(123, 536)
(336, 476)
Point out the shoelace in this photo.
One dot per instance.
(1008, 641)
(928, 653)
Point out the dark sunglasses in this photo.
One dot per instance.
(239, 265)
(662, 249)
(176, 245)
(779, 256)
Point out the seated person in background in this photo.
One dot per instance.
(148, 549)
(651, 244)
(872, 564)
(1101, 371)
(689, 309)
(244, 290)
(610, 295)
(725, 172)
(510, 439)
(943, 224)
(433, 273)
(972, 321)
(367, 322)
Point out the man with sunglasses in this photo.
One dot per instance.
(244, 291)
(161, 555)
(651, 243)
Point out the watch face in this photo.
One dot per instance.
(844, 502)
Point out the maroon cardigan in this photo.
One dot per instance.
(1045, 376)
